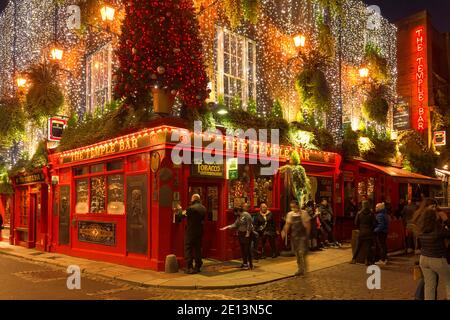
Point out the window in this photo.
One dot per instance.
(23, 214)
(98, 78)
(100, 192)
(236, 67)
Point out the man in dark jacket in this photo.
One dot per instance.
(193, 236)
(365, 222)
(327, 223)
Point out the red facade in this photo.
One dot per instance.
(114, 201)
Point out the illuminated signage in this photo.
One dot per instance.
(440, 138)
(420, 98)
(31, 178)
(56, 127)
(208, 170)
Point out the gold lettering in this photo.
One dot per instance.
(134, 143)
(121, 145)
(128, 146)
(113, 146)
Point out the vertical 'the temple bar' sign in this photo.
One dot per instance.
(420, 98)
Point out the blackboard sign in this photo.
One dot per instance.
(402, 120)
(56, 127)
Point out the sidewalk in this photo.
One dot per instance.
(214, 275)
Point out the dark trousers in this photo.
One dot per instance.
(245, 243)
(327, 230)
(365, 246)
(193, 252)
(381, 244)
(271, 239)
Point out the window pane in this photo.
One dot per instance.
(115, 194)
(81, 188)
(81, 171)
(96, 168)
(226, 63)
(114, 165)
(98, 194)
(138, 162)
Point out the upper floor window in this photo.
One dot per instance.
(98, 78)
(236, 67)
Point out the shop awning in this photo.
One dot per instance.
(401, 175)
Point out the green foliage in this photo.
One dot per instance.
(5, 185)
(240, 119)
(277, 109)
(332, 6)
(384, 148)
(238, 10)
(44, 97)
(236, 103)
(376, 63)
(301, 185)
(376, 106)
(12, 121)
(311, 83)
(327, 43)
(25, 164)
(115, 120)
(205, 115)
(370, 144)
(416, 155)
(282, 125)
(350, 145)
(310, 136)
(251, 107)
(424, 163)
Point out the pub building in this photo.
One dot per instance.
(29, 221)
(114, 200)
(378, 183)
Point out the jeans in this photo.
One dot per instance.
(364, 245)
(300, 248)
(193, 252)
(420, 291)
(246, 252)
(381, 243)
(431, 269)
(271, 240)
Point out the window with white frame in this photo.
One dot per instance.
(236, 67)
(98, 78)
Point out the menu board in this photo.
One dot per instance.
(116, 203)
(82, 189)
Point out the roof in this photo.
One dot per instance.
(401, 175)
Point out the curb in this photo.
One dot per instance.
(162, 286)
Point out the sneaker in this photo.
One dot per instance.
(243, 266)
(409, 250)
(381, 263)
(353, 261)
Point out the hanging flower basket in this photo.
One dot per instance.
(163, 101)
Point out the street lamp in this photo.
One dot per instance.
(364, 73)
(21, 82)
(56, 54)
(107, 13)
(299, 41)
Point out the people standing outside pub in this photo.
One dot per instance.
(299, 225)
(407, 215)
(365, 222)
(313, 214)
(326, 221)
(434, 231)
(1, 227)
(381, 233)
(195, 215)
(244, 226)
(265, 226)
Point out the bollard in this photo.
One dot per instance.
(171, 264)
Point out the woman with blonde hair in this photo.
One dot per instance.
(381, 233)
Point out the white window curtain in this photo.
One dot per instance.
(98, 78)
(235, 67)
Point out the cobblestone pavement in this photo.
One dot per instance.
(28, 280)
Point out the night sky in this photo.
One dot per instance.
(397, 9)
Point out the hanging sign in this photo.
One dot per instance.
(56, 126)
(440, 138)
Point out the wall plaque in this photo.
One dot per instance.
(97, 232)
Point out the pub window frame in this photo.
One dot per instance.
(106, 174)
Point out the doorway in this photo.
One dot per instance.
(210, 195)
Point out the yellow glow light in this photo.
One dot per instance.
(56, 54)
(107, 13)
(300, 41)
